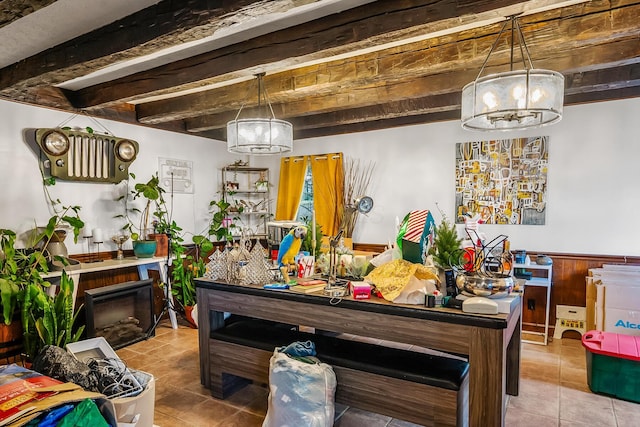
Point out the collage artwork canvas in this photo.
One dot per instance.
(503, 181)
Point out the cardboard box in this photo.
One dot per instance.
(25, 394)
(360, 290)
(622, 321)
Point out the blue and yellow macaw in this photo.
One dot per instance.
(290, 246)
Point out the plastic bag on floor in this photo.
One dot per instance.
(301, 388)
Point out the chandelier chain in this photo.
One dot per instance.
(524, 50)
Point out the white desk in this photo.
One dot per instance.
(539, 281)
(143, 264)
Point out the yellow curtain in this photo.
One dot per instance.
(292, 171)
(328, 191)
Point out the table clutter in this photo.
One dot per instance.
(427, 265)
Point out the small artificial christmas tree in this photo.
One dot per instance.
(446, 250)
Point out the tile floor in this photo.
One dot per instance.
(553, 389)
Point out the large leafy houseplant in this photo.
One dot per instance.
(186, 270)
(15, 273)
(223, 222)
(48, 320)
(44, 321)
(153, 195)
(22, 267)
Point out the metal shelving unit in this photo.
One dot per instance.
(240, 188)
(543, 282)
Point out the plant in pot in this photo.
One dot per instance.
(21, 279)
(144, 246)
(48, 320)
(307, 243)
(13, 266)
(223, 224)
(447, 254)
(262, 184)
(183, 273)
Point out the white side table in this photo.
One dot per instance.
(543, 282)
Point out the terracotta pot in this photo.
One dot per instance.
(11, 339)
(162, 244)
(191, 313)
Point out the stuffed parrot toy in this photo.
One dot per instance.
(290, 246)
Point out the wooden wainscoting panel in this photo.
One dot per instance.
(569, 284)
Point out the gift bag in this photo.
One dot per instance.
(416, 235)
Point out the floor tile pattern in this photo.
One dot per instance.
(553, 389)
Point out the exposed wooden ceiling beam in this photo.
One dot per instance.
(582, 87)
(354, 29)
(11, 10)
(166, 24)
(381, 65)
(415, 61)
(389, 87)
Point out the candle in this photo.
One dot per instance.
(97, 235)
(346, 259)
(86, 231)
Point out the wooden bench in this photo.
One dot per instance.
(417, 387)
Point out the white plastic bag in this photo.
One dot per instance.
(414, 292)
(300, 393)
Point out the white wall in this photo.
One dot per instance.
(593, 177)
(592, 194)
(23, 203)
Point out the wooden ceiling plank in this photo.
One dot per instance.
(12, 10)
(422, 88)
(166, 24)
(606, 79)
(417, 61)
(324, 37)
(570, 58)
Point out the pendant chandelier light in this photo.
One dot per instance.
(259, 136)
(513, 100)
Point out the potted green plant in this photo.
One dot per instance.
(183, 273)
(12, 266)
(262, 184)
(447, 254)
(144, 246)
(307, 243)
(48, 320)
(223, 223)
(21, 278)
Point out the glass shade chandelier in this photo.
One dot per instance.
(259, 136)
(513, 100)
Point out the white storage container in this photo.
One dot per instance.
(139, 407)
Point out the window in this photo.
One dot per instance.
(305, 210)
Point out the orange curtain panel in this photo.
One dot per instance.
(292, 171)
(328, 191)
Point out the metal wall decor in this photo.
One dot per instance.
(76, 155)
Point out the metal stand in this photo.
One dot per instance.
(97, 252)
(167, 304)
(333, 289)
